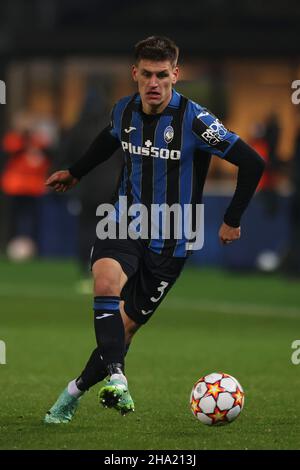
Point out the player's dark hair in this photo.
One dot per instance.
(156, 48)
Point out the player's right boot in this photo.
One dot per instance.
(63, 409)
(115, 394)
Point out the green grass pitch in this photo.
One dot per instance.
(241, 324)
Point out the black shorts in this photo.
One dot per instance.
(150, 275)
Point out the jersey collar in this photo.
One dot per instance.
(175, 100)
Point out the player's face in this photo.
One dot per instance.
(155, 81)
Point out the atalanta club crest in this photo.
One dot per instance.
(168, 134)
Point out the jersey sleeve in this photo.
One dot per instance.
(112, 125)
(211, 135)
(103, 146)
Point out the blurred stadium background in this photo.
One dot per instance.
(64, 64)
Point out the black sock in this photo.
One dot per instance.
(96, 368)
(94, 371)
(109, 329)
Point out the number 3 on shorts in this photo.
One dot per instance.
(163, 285)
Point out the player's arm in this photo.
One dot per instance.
(250, 169)
(99, 151)
(214, 138)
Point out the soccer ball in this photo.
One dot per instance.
(217, 399)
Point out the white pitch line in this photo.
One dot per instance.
(236, 308)
(175, 303)
(36, 292)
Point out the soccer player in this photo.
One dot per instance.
(167, 141)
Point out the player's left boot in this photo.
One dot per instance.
(63, 409)
(115, 394)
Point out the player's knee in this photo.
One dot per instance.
(105, 287)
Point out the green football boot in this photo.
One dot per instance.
(63, 409)
(115, 394)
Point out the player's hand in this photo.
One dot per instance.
(61, 181)
(228, 234)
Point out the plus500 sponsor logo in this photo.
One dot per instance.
(151, 151)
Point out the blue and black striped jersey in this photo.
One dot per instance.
(167, 157)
